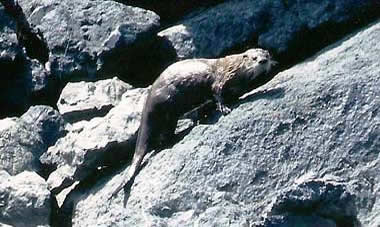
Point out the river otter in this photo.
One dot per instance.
(187, 84)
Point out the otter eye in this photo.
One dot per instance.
(263, 61)
(254, 58)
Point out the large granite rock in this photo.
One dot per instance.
(291, 29)
(23, 140)
(25, 200)
(9, 48)
(24, 80)
(171, 10)
(308, 139)
(94, 36)
(86, 100)
(100, 141)
(314, 202)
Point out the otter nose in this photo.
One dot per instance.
(263, 61)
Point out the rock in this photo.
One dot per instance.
(12, 94)
(24, 139)
(24, 81)
(171, 10)
(94, 36)
(95, 143)
(19, 148)
(7, 123)
(291, 29)
(25, 200)
(30, 84)
(86, 100)
(46, 122)
(316, 199)
(9, 48)
(30, 39)
(290, 221)
(320, 117)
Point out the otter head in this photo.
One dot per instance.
(257, 62)
(253, 64)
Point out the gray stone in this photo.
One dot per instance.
(25, 80)
(171, 10)
(46, 122)
(293, 220)
(18, 146)
(315, 199)
(86, 100)
(93, 35)
(9, 48)
(288, 28)
(91, 144)
(7, 123)
(319, 118)
(12, 92)
(24, 200)
(24, 139)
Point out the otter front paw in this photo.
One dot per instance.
(223, 108)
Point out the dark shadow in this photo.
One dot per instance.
(13, 92)
(171, 11)
(307, 42)
(33, 41)
(139, 64)
(88, 114)
(166, 145)
(63, 215)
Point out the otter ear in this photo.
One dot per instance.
(245, 56)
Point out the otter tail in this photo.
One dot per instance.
(131, 174)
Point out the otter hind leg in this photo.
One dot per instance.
(167, 131)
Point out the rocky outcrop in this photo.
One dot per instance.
(291, 29)
(81, 39)
(91, 40)
(24, 80)
(30, 39)
(25, 200)
(100, 141)
(302, 149)
(92, 34)
(86, 100)
(172, 10)
(23, 140)
(314, 202)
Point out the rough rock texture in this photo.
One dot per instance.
(97, 39)
(170, 10)
(307, 139)
(93, 35)
(24, 80)
(302, 150)
(86, 100)
(84, 39)
(9, 44)
(92, 144)
(310, 201)
(25, 200)
(24, 139)
(275, 25)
